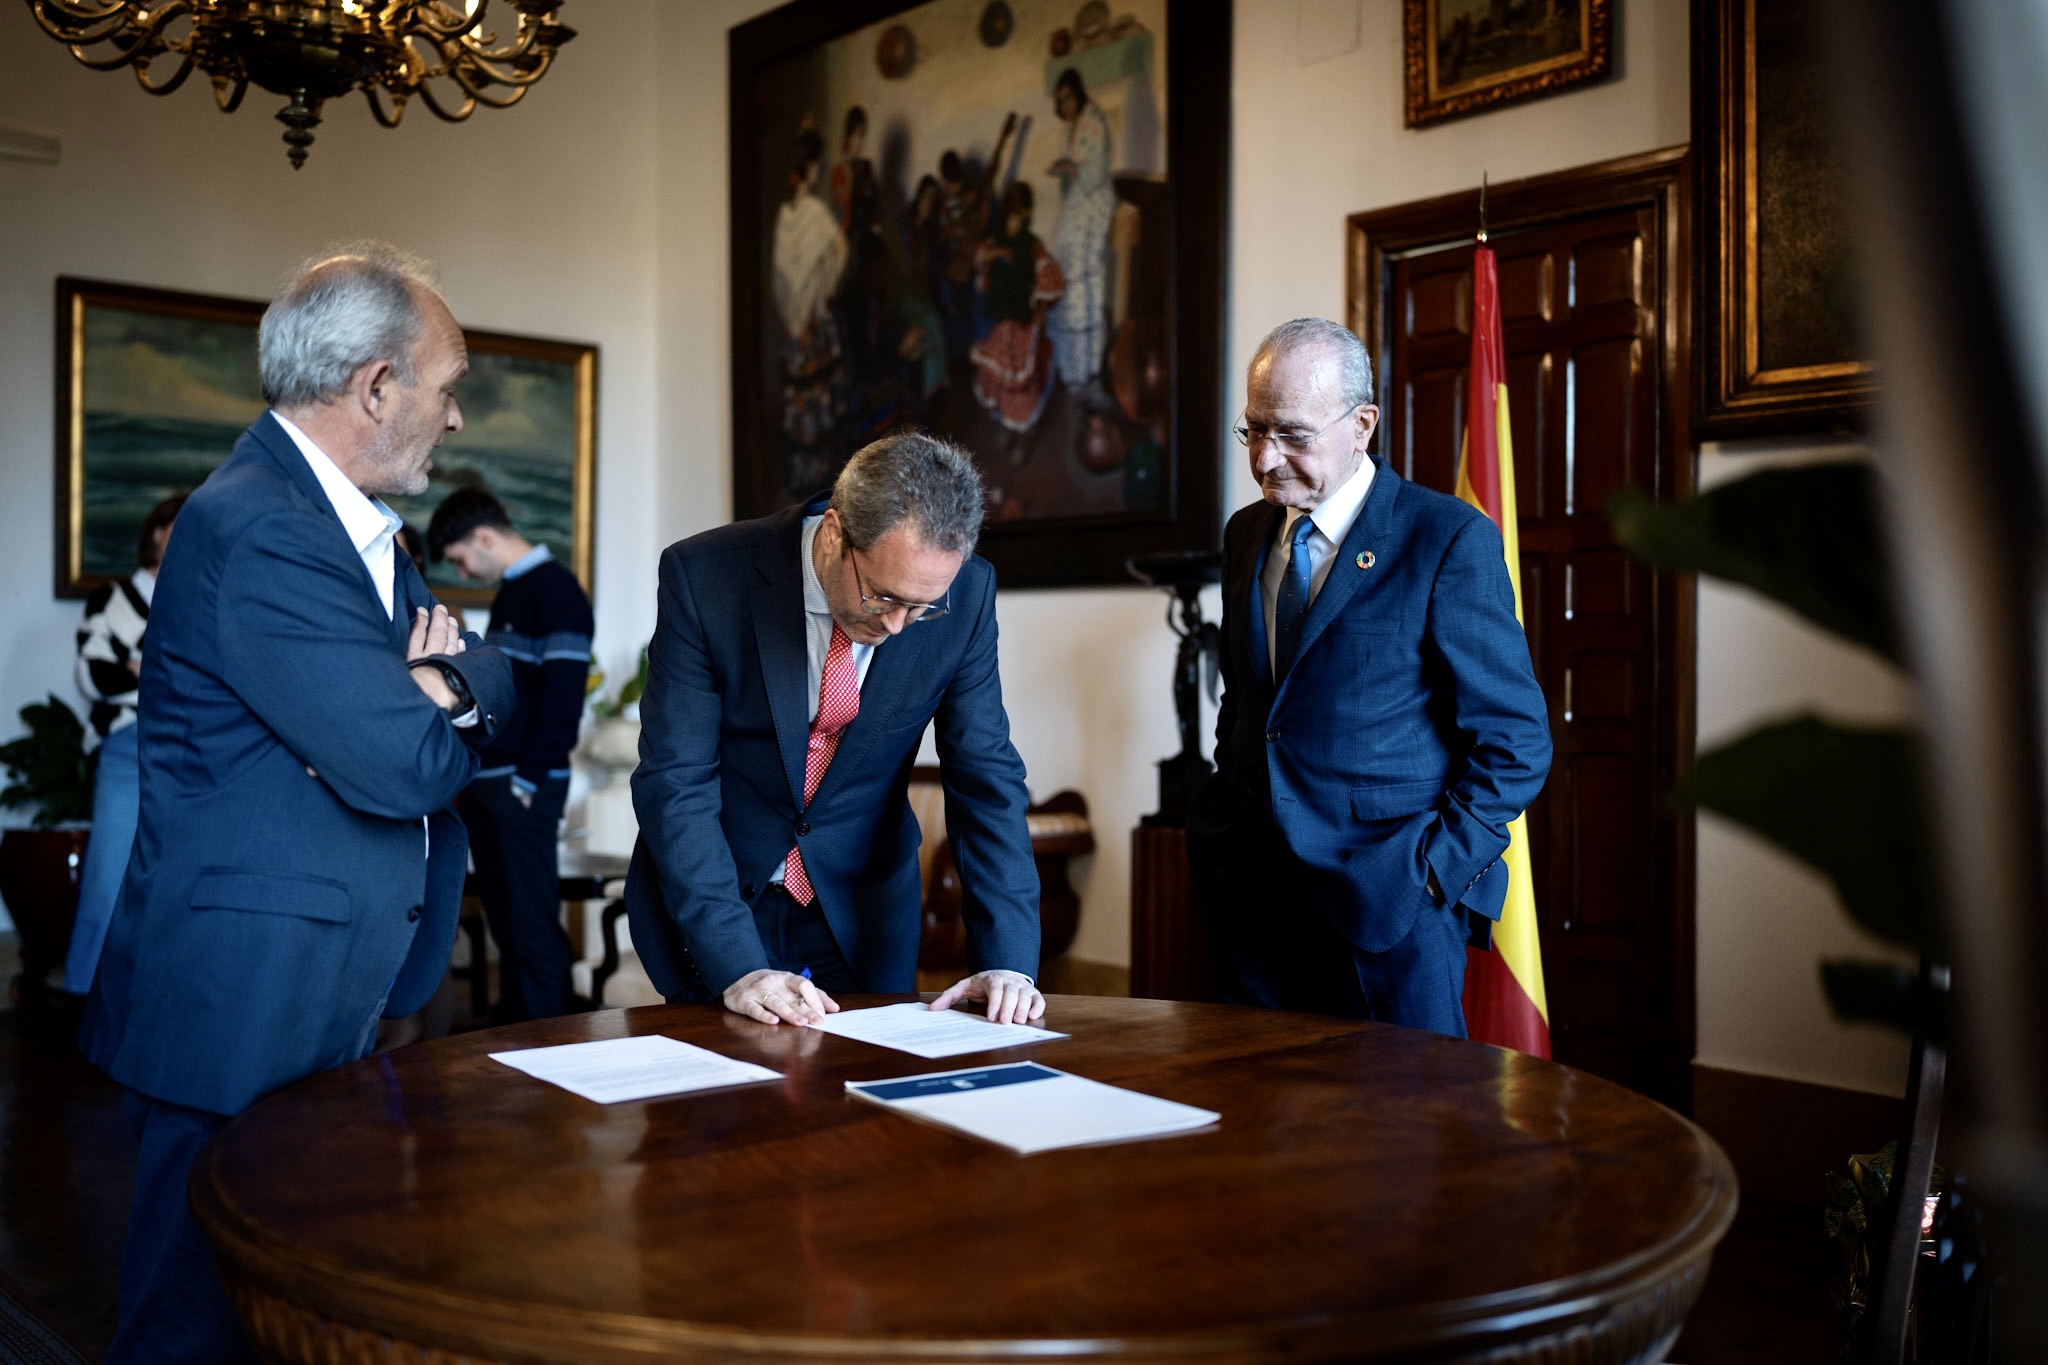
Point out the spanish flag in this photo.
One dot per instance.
(1504, 999)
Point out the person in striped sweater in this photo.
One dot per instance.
(109, 672)
(542, 621)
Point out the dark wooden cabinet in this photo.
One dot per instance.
(1169, 946)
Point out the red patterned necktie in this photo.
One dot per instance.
(838, 704)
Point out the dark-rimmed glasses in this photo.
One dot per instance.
(881, 604)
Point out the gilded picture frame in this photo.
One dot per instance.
(1777, 345)
(879, 150)
(154, 386)
(1468, 56)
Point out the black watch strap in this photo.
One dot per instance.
(465, 700)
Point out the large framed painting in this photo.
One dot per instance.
(153, 388)
(1777, 343)
(1000, 221)
(1465, 56)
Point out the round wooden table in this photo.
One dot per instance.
(1371, 1193)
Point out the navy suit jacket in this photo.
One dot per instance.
(719, 790)
(1409, 731)
(270, 914)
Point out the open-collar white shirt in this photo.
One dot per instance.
(372, 527)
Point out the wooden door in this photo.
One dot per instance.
(1592, 296)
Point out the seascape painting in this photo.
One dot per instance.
(963, 221)
(161, 385)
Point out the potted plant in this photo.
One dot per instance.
(612, 748)
(50, 776)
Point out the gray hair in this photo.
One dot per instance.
(1354, 366)
(345, 308)
(915, 478)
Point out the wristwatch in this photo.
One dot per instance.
(464, 699)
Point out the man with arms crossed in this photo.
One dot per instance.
(795, 666)
(307, 712)
(1380, 723)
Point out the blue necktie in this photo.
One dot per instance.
(1291, 608)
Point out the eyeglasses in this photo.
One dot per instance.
(1290, 443)
(881, 604)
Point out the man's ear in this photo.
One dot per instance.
(370, 389)
(1368, 419)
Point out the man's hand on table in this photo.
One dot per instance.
(1012, 999)
(779, 998)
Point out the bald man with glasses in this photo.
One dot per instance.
(1380, 722)
(797, 662)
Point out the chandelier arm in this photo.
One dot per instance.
(483, 86)
(69, 25)
(80, 35)
(532, 32)
(477, 76)
(229, 102)
(423, 22)
(166, 87)
(433, 102)
(386, 119)
(92, 62)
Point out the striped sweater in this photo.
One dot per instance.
(542, 621)
(109, 639)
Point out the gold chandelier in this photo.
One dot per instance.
(314, 50)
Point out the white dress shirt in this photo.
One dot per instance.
(371, 526)
(1333, 518)
(818, 626)
(818, 638)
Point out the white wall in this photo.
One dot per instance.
(597, 211)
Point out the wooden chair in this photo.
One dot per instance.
(1059, 829)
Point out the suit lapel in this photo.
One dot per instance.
(1367, 529)
(894, 664)
(409, 592)
(778, 607)
(278, 444)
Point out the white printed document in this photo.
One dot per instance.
(926, 1032)
(1031, 1108)
(617, 1069)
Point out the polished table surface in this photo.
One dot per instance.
(1371, 1193)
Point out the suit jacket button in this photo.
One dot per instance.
(1272, 736)
(412, 914)
(803, 827)
(747, 892)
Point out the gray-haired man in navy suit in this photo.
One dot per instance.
(307, 716)
(1380, 725)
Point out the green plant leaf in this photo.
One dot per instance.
(49, 769)
(1806, 537)
(1848, 802)
(1879, 993)
(635, 686)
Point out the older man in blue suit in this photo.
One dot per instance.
(796, 665)
(1380, 724)
(307, 716)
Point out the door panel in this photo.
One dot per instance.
(1581, 303)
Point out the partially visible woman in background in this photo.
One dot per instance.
(109, 669)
